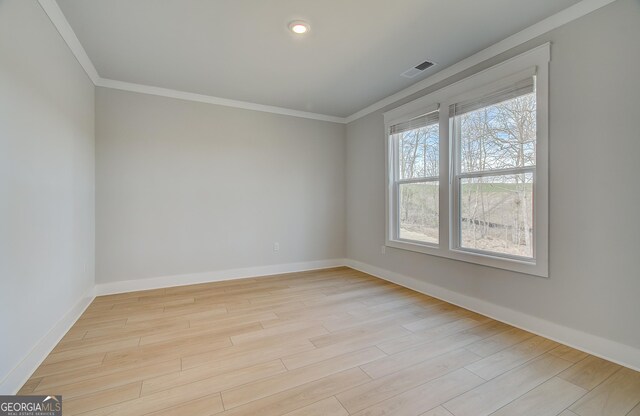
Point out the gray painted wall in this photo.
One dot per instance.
(46, 180)
(594, 280)
(185, 187)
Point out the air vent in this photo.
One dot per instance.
(417, 69)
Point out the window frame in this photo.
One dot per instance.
(535, 61)
(397, 181)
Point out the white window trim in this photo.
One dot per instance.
(508, 71)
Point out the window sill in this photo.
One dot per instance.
(515, 265)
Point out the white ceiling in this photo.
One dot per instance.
(242, 50)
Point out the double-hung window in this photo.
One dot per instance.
(494, 142)
(468, 168)
(416, 143)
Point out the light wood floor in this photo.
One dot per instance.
(330, 342)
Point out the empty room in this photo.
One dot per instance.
(319, 208)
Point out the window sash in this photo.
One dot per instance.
(418, 180)
(457, 214)
(396, 198)
(488, 99)
(428, 118)
(496, 172)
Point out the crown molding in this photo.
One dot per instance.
(53, 11)
(561, 18)
(189, 96)
(60, 22)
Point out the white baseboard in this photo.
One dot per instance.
(601, 347)
(21, 373)
(592, 344)
(216, 276)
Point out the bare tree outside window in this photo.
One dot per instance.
(496, 208)
(467, 168)
(418, 188)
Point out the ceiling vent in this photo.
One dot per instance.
(417, 69)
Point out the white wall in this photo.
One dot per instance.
(185, 187)
(594, 283)
(46, 185)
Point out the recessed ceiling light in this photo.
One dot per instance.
(299, 27)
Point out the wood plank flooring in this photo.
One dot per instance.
(321, 343)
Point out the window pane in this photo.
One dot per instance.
(418, 152)
(418, 212)
(497, 214)
(499, 136)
